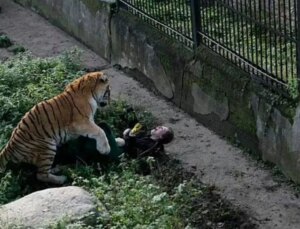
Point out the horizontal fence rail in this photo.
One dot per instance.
(260, 36)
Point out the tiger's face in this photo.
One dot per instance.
(95, 84)
(102, 88)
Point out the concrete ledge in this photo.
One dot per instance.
(207, 86)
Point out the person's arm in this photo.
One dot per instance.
(126, 133)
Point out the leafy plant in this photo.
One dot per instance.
(16, 49)
(132, 201)
(9, 187)
(5, 41)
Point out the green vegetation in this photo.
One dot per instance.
(132, 200)
(143, 193)
(4, 41)
(15, 49)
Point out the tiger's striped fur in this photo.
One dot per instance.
(57, 120)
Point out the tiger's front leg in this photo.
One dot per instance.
(91, 130)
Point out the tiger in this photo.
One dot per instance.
(53, 122)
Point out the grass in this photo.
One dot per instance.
(146, 193)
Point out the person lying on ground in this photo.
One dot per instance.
(139, 143)
(136, 143)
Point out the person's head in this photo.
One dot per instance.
(162, 134)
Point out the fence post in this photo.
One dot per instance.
(196, 22)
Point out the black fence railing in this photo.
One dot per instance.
(260, 36)
(171, 17)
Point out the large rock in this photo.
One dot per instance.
(47, 207)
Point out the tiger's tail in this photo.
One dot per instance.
(3, 159)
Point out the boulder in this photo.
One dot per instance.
(47, 207)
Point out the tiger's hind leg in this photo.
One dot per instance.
(49, 177)
(57, 169)
(44, 164)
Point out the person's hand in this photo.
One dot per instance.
(120, 142)
(136, 129)
(125, 133)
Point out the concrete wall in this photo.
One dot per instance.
(214, 91)
(82, 19)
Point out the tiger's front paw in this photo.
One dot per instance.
(104, 148)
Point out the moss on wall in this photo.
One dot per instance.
(96, 5)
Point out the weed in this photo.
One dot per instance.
(5, 41)
(15, 49)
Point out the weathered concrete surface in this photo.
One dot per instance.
(56, 39)
(87, 20)
(279, 137)
(205, 105)
(132, 49)
(271, 203)
(44, 208)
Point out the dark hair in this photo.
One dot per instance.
(167, 137)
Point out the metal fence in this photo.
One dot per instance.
(260, 36)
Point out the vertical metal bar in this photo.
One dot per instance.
(275, 39)
(173, 23)
(285, 40)
(238, 19)
(267, 34)
(298, 38)
(228, 38)
(221, 26)
(163, 14)
(205, 22)
(250, 34)
(149, 11)
(176, 14)
(186, 23)
(261, 56)
(196, 25)
(280, 39)
(211, 19)
(293, 35)
(256, 32)
(270, 36)
(245, 29)
(233, 33)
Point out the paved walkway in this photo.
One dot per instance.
(236, 176)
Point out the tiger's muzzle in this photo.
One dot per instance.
(105, 99)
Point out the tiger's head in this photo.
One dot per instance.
(95, 84)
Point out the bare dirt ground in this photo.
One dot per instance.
(238, 178)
